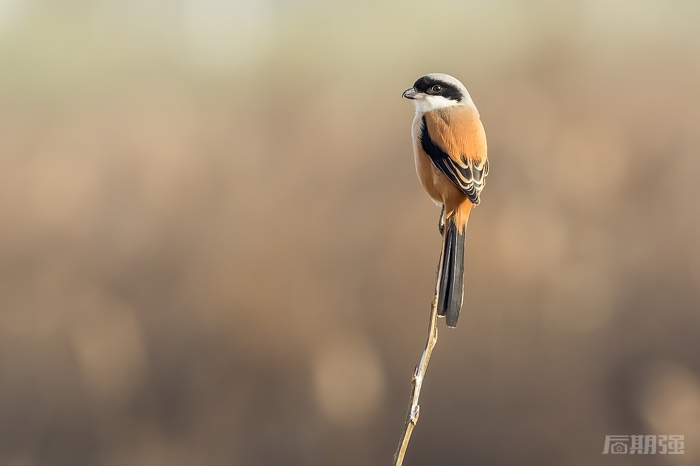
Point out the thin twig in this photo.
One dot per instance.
(419, 373)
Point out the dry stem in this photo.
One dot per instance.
(419, 373)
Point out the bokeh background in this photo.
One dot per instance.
(214, 249)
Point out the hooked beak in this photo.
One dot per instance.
(410, 93)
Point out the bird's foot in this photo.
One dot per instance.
(441, 221)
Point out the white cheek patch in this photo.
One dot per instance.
(427, 103)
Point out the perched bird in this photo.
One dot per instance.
(449, 146)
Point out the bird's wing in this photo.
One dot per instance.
(454, 140)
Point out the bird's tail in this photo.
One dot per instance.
(452, 272)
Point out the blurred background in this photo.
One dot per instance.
(214, 249)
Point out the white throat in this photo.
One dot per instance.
(426, 103)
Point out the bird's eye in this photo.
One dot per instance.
(436, 89)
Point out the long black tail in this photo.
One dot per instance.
(452, 276)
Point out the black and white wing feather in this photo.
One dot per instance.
(468, 175)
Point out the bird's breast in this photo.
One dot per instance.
(436, 184)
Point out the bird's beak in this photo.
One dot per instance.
(410, 93)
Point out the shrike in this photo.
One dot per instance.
(449, 146)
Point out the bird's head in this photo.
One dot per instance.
(436, 90)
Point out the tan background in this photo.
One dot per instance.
(214, 249)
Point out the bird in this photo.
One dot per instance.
(449, 146)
